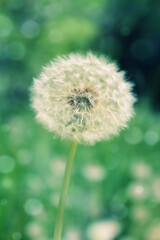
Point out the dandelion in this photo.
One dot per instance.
(83, 98)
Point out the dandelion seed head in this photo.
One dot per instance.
(83, 97)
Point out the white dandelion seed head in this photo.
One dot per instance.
(83, 97)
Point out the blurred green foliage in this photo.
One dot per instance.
(116, 180)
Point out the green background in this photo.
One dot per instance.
(114, 181)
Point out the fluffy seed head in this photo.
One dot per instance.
(83, 97)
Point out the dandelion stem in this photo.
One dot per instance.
(62, 201)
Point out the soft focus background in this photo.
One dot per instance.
(115, 187)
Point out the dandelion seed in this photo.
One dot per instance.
(83, 97)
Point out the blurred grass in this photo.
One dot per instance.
(105, 182)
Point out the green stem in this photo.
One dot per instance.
(62, 200)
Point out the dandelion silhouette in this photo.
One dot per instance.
(84, 98)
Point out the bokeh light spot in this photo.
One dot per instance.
(33, 207)
(153, 232)
(140, 213)
(93, 172)
(7, 183)
(73, 234)
(30, 29)
(138, 191)
(24, 156)
(151, 138)
(103, 230)
(58, 166)
(34, 230)
(141, 170)
(134, 136)
(6, 26)
(6, 164)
